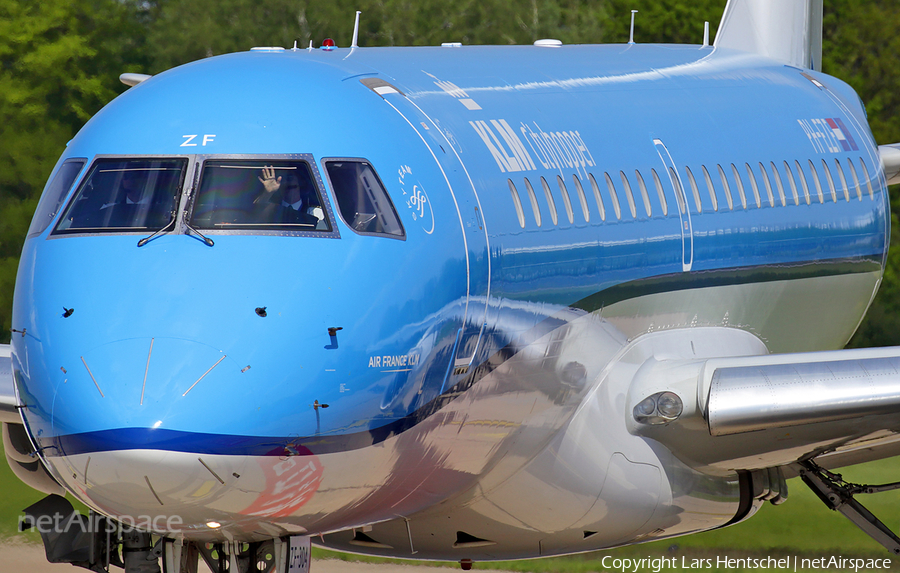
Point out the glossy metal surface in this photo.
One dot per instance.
(890, 157)
(799, 391)
(8, 402)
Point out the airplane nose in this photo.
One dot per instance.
(152, 427)
(141, 383)
(193, 493)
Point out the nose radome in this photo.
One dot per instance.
(186, 491)
(137, 382)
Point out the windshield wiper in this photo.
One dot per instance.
(201, 236)
(169, 226)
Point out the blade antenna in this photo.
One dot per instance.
(631, 35)
(356, 31)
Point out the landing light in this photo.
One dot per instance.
(657, 409)
(213, 524)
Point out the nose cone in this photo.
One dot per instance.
(195, 494)
(161, 429)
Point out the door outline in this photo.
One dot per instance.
(684, 209)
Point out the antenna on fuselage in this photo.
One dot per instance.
(356, 31)
(705, 35)
(631, 35)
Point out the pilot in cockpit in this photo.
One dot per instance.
(135, 202)
(131, 191)
(294, 198)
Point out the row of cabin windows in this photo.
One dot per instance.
(766, 185)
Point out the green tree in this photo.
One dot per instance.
(860, 46)
(186, 30)
(59, 61)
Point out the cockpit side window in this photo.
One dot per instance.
(362, 199)
(278, 194)
(54, 194)
(125, 195)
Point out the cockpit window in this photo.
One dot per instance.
(54, 194)
(363, 202)
(265, 194)
(125, 194)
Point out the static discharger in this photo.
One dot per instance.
(91, 374)
(198, 379)
(146, 370)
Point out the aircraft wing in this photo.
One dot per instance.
(8, 412)
(17, 447)
(750, 413)
(890, 158)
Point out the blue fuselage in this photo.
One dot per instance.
(654, 187)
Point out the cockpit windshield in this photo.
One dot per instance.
(364, 203)
(131, 194)
(263, 194)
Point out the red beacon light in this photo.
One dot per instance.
(328, 45)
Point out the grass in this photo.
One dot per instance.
(802, 527)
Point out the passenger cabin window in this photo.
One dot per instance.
(258, 194)
(855, 179)
(517, 203)
(830, 181)
(597, 197)
(768, 184)
(567, 203)
(694, 189)
(727, 189)
(865, 172)
(629, 196)
(778, 183)
(818, 184)
(614, 197)
(585, 210)
(125, 195)
(803, 183)
(844, 187)
(740, 185)
(362, 200)
(534, 203)
(643, 188)
(710, 188)
(793, 184)
(54, 194)
(550, 203)
(753, 185)
(659, 191)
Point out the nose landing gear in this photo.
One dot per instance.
(271, 556)
(95, 542)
